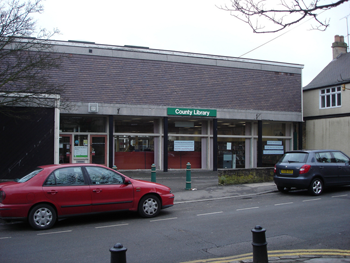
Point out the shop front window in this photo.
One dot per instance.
(183, 150)
(134, 152)
(231, 153)
(82, 124)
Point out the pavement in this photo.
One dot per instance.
(204, 186)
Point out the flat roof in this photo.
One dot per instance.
(139, 52)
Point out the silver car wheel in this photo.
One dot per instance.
(149, 206)
(316, 187)
(42, 217)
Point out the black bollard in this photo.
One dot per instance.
(118, 253)
(259, 245)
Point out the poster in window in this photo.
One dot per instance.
(81, 151)
(183, 146)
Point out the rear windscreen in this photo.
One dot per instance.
(294, 158)
(29, 176)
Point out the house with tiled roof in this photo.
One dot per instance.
(326, 103)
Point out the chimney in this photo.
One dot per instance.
(339, 46)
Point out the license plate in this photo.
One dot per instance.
(286, 171)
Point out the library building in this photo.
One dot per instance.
(131, 107)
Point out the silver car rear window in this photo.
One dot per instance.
(294, 158)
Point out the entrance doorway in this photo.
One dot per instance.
(98, 149)
(75, 148)
(65, 146)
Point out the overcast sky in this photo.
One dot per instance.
(196, 26)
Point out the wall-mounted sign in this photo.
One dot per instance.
(274, 142)
(183, 146)
(191, 112)
(273, 147)
(273, 152)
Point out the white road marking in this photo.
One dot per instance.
(310, 200)
(284, 203)
(50, 233)
(249, 208)
(4, 237)
(220, 198)
(213, 213)
(156, 220)
(112, 226)
(339, 196)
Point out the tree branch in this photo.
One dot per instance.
(263, 16)
(27, 58)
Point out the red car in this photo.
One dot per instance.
(63, 190)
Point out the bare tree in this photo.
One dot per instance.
(269, 16)
(27, 59)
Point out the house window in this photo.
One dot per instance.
(330, 98)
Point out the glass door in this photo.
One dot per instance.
(98, 149)
(65, 148)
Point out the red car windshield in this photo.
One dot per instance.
(29, 176)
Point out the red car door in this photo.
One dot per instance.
(109, 193)
(67, 189)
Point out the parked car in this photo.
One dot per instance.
(313, 170)
(58, 191)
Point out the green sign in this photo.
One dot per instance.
(192, 112)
